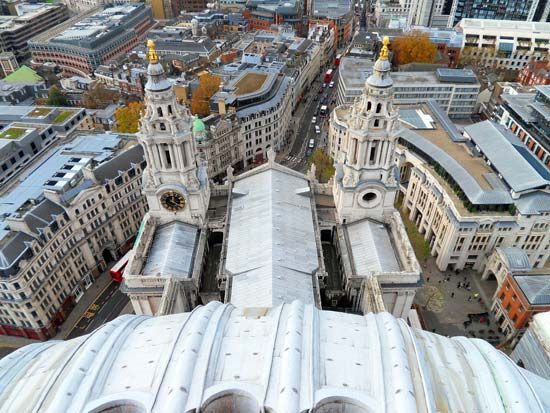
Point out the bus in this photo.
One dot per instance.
(324, 110)
(117, 270)
(328, 76)
(337, 60)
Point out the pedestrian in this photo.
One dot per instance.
(439, 282)
(470, 298)
(452, 294)
(476, 295)
(427, 279)
(458, 285)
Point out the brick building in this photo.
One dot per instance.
(535, 73)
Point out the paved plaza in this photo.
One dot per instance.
(444, 307)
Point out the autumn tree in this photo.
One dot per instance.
(98, 96)
(127, 117)
(324, 168)
(208, 86)
(414, 47)
(56, 98)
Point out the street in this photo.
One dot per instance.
(106, 307)
(316, 96)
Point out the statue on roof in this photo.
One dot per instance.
(384, 53)
(152, 53)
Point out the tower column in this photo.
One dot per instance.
(173, 159)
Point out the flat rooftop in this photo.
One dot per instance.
(331, 8)
(249, 83)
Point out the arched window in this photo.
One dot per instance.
(159, 111)
(162, 126)
(376, 123)
(378, 108)
(231, 402)
(369, 105)
(170, 110)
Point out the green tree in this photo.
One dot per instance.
(127, 117)
(56, 98)
(414, 47)
(324, 165)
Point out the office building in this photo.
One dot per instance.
(22, 87)
(8, 63)
(527, 10)
(337, 14)
(266, 14)
(31, 19)
(535, 73)
(526, 115)
(83, 43)
(455, 90)
(77, 210)
(504, 44)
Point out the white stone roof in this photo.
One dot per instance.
(371, 248)
(296, 358)
(271, 248)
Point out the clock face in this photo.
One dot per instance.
(172, 201)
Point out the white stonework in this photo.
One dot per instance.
(365, 185)
(169, 146)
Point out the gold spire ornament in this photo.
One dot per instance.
(152, 53)
(385, 52)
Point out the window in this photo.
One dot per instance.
(378, 108)
(159, 111)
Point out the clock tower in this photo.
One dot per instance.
(175, 182)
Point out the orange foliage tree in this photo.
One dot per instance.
(415, 47)
(208, 86)
(127, 117)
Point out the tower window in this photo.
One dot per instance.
(369, 105)
(159, 111)
(168, 158)
(378, 108)
(162, 126)
(372, 153)
(170, 109)
(376, 123)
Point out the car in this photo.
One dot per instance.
(311, 144)
(331, 84)
(317, 129)
(324, 85)
(314, 119)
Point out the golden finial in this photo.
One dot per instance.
(385, 52)
(152, 54)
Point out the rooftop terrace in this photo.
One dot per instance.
(249, 83)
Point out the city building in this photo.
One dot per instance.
(527, 11)
(469, 193)
(325, 37)
(8, 63)
(219, 141)
(169, 44)
(266, 14)
(76, 210)
(526, 115)
(337, 14)
(535, 73)
(504, 44)
(430, 13)
(27, 131)
(128, 79)
(22, 87)
(270, 346)
(518, 299)
(532, 351)
(80, 6)
(89, 40)
(262, 101)
(455, 90)
(31, 19)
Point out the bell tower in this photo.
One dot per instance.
(175, 182)
(365, 184)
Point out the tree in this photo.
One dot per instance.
(127, 117)
(99, 97)
(56, 98)
(208, 86)
(324, 168)
(414, 47)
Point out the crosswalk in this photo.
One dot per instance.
(294, 162)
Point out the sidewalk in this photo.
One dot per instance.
(104, 280)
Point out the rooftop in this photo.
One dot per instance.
(271, 247)
(536, 288)
(334, 9)
(249, 83)
(23, 75)
(294, 358)
(506, 27)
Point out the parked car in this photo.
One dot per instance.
(331, 84)
(314, 119)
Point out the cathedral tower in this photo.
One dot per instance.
(174, 182)
(365, 185)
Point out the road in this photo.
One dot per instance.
(106, 307)
(305, 129)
